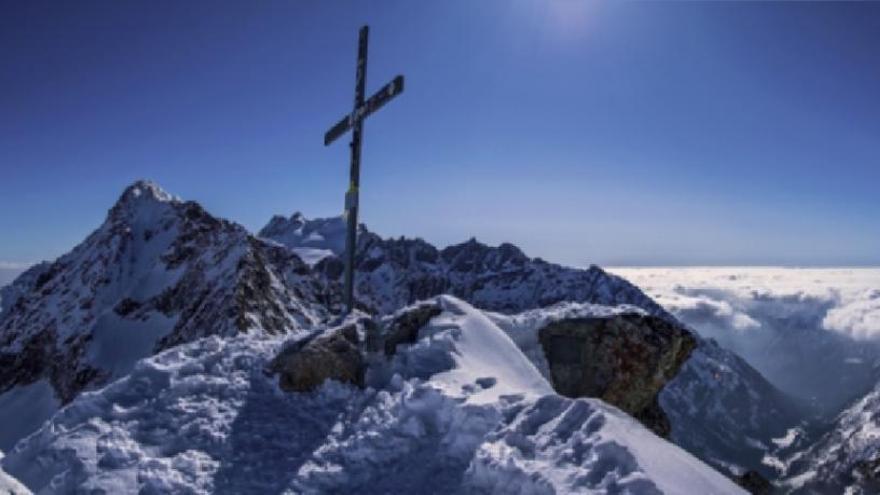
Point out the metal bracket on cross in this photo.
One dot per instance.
(351, 199)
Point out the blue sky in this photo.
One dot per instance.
(615, 133)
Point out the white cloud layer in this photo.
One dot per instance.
(853, 294)
(9, 271)
(12, 265)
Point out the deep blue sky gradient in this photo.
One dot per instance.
(615, 133)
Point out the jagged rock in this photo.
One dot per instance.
(754, 482)
(403, 328)
(392, 273)
(655, 418)
(305, 365)
(625, 360)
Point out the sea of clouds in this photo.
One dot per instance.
(813, 332)
(9, 271)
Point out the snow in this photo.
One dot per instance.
(10, 485)
(321, 235)
(461, 411)
(558, 445)
(789, 438)
(118, 343)
(23, 409)
(311, 256)
(483, 354)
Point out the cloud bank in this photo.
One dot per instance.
(10, 270)
(815, 333)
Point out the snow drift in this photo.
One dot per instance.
(460, 410)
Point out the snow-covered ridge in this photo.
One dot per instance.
(204, 417)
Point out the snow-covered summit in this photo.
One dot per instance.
(203, 417)
(142, 194)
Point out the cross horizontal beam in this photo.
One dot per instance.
(377, 101)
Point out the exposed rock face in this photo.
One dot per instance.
(625, 360)
(393, 273)
(754, 483)
(404, 327)
(160, 271)
(335, 354)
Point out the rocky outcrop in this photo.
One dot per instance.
(338, 353)
(332, 355)
(625, 360)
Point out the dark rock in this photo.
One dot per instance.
(335, 355)
(126, 307)
(624, 360)
(654, 416)
(754, 483)
(404, 327)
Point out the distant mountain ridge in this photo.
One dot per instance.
(392, 273)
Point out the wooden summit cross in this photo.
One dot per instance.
(355, 122)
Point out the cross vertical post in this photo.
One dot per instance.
(351, 197)
(355, 122)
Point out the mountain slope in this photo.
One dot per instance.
(459, 410)
(158, 272)
(846, 458)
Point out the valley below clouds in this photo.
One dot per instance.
(813, 332)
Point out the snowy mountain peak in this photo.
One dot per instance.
(142, 199)
(312, 240)
(146, 190)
